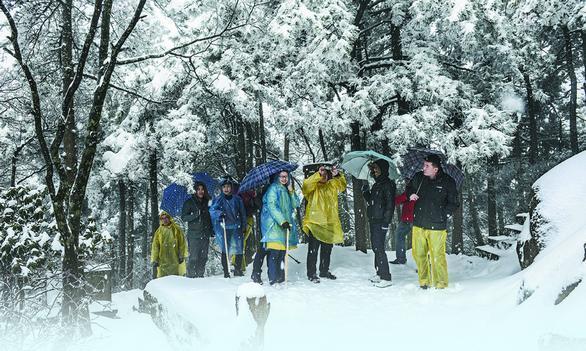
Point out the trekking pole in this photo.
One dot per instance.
(294, 259)
(286, 254)
(226, 246)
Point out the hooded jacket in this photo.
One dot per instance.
(321, 213)
(438, 198)
(168, 248)
(279, 207)
(235, 221)
(197, 215)
(381, 198)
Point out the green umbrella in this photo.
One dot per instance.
(356, 163)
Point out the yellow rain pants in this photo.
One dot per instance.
(429, 248)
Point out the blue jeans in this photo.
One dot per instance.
(403, 229)
(275, 262)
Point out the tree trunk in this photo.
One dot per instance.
(322, 144)
(122, 229)
(130, 235)
(249, 145)
(146, 230)
(491, 196)
(573, 91)
(478, 239)
(360, 222)
(583, 34)
(153, 191)
(458, 232)
(240, 145)
(531, 114)
(261, 126)
(287, 142)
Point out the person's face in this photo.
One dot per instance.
(375, 170)
(429, 170)
(283, 178)
(227, 189)
(165, 219)
(200, 191)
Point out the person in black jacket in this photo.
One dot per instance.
(436, 198)
(199, 230)
(380, 208)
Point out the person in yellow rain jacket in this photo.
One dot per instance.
(322, 222)
(169, 248)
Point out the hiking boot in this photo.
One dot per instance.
(396, 261)
(226, 275)
(383, 284)
(328, 275)
(238, 273)
(374, 279)
(313, 279)
(256, 279)
(424, 287)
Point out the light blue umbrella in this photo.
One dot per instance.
(356, 163)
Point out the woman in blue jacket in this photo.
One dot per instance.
(278, 216)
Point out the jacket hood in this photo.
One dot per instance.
(384, 167)
(172, 222)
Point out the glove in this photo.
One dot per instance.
(155, 266)
(223, 215)
(286, 225)
(181, 259)
(365, 188)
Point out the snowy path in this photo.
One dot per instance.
(478, 311)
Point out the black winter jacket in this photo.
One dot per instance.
(381, 200)
(438, 198)
(197, 215)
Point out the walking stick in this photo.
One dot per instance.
(286, 254)
(226, 246)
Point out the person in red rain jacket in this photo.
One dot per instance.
(404, 226)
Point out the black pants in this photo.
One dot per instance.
(237, 264)
(378, 235)
(324, 257)
(259, 258)
(198, 256)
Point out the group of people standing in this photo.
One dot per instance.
(429, 198)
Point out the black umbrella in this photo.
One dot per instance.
(413, 163)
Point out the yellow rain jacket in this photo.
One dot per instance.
(321, 213)
(169, 245)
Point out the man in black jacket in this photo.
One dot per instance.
(199, 230)
(381, 206)
(436, 198)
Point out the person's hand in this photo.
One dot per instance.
(365, 188)
(286, 225)
(223, 215)
(335, 171)
(181, 260)
(413, 197)
(290, 186)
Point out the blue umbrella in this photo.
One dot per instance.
(356, 163)
(413, 163)
(173, 198)
(175, 195)
(261, 174)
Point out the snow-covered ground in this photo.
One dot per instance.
(479, 311)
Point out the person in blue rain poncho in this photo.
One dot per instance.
(277, 216)
(228, 213)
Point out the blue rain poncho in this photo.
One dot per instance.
(278, 207)
(233, 207)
